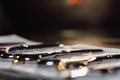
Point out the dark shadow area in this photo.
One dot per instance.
(38, 17)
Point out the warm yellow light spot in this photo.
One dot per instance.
(61, 66)
(15, 61)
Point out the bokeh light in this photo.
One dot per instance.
(75, 2)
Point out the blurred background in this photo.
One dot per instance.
(61, 20)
